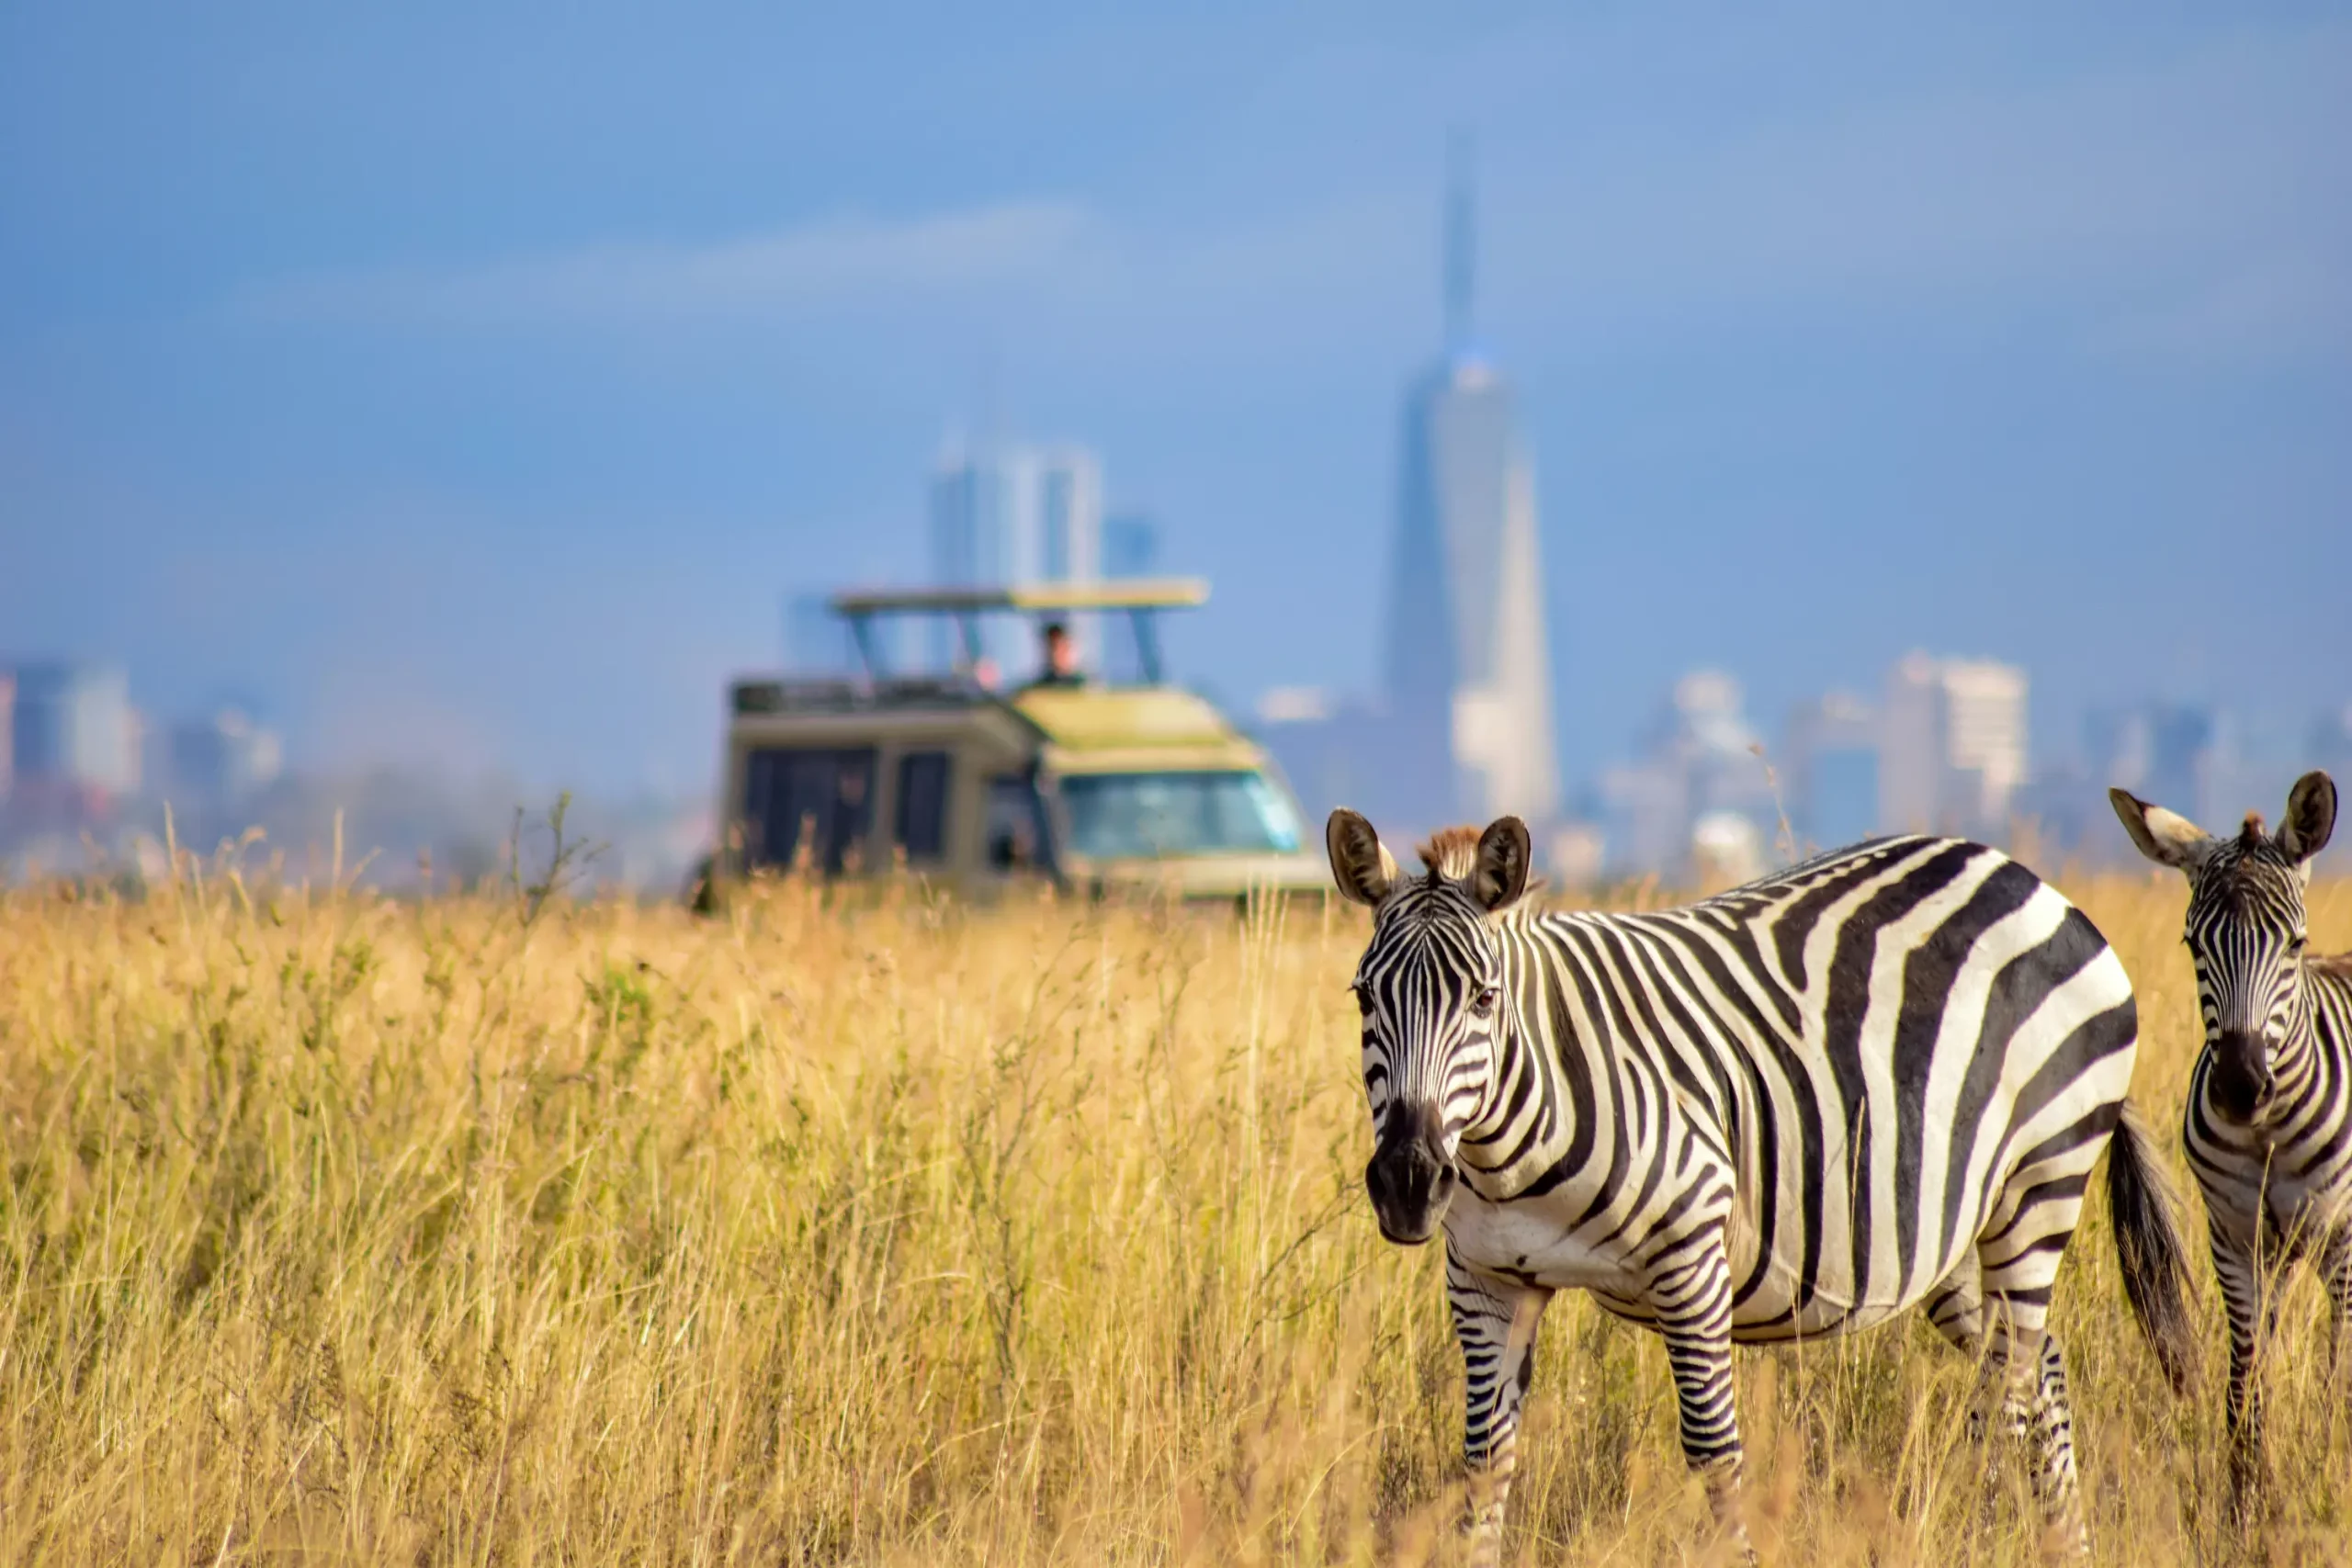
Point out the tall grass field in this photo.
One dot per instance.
(868, 1227)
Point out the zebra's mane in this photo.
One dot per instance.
(1451, 856)
(2249, 875)
(1451, 852)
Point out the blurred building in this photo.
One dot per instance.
(1831, 755)
(222, 761)
(1952, 746)
(1333, 753)
(73, 738)
(1468, 676)
(1013, 513)
(2176, 754)
(1675, 812)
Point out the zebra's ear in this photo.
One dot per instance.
(1504, 854)
(2165, 836)
(1361, 864)
(2310, 817)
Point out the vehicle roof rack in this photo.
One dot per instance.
(1139, 597)
(1113, 593)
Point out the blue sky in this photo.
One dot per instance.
(466, 384)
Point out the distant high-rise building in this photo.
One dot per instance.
(2167, 752)
(222, 761)
(1953, 745)
(1831, 755)
(73, 735)
(1469, 682)
(1699, 769)
(1013, 515)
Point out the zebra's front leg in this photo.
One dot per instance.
(2336, 1273)
(1693, 1297)
(1496, 1321)
(2239, 1272)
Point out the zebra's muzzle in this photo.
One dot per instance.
(1411, 1182)
(2242, 1077)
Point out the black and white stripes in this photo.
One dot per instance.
(1875, 1080)
(2268, 1123)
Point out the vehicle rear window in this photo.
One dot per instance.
(828, 793)
(922, 804)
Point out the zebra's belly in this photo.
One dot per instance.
(1778, 1305)
(1523, 1242)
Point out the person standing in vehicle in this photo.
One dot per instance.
(1061, 668)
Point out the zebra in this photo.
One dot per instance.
(1876, 1079)
(2268, 1123)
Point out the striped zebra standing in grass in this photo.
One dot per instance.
(1876, 1079)
(2268, 1123)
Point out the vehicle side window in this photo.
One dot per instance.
(922, 804)
(830, 792)
(1016, 825)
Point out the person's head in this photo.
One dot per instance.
(1431, 989)
(1062, 649)
(2244, 927)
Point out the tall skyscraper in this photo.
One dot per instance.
(1830, 752)
(1953, 745)
(1468, 659)
(74, 733)
(222, 761)
(1015, 513)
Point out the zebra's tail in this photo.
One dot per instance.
(2141, 1203)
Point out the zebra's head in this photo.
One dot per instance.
(2246, 928)
(1430, 985)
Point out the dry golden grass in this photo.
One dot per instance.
(338, 1229)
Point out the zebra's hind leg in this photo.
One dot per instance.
(2025, 1375)
(1956, 1310)
(1495, 1320)
(2055, 1483)
(2023, 1380)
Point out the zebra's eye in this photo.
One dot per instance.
(2296, 943)
(1483, 1004)
(1363, 998)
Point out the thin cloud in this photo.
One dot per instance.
(791, 270)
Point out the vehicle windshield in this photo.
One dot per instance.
(1132, 816)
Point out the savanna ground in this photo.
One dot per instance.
(496, 1229)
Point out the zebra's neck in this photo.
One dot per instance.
(2325, 1027)
(1579, 1086)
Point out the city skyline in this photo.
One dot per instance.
(490, 437)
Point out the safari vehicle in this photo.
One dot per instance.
(1099, 788)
